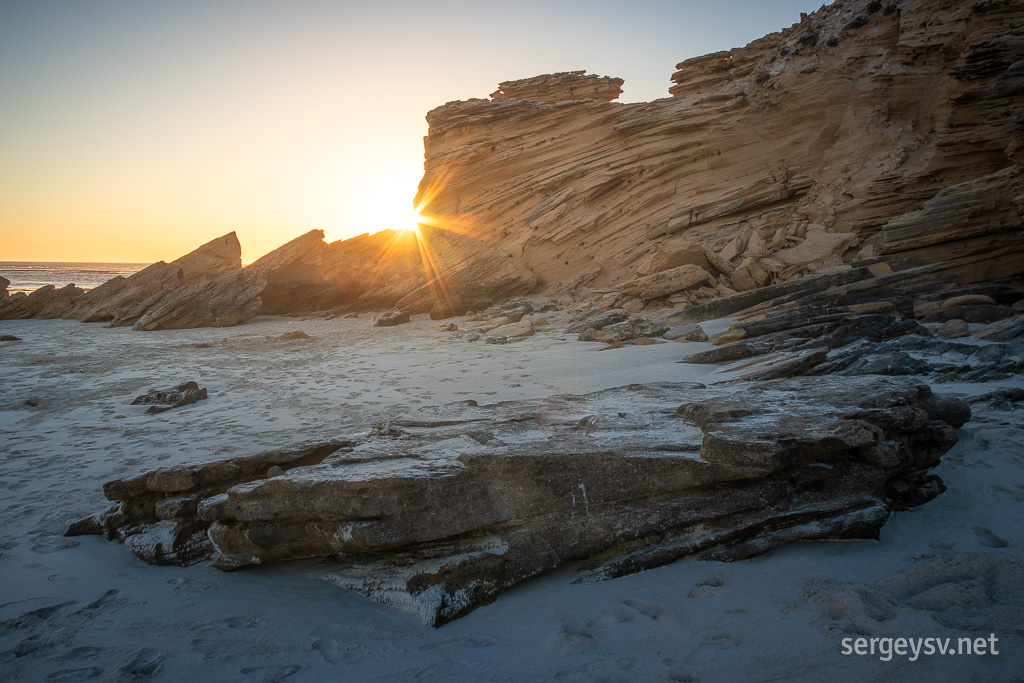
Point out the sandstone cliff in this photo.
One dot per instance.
(868, 139)
(867, 129)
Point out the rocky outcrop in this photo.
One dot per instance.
(440, 514)
(4, 284)
(753, 160)
(880, 136)
(121, 300)
(561, 87)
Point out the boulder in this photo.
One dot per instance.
(818, 247)
(665, 282)
(391, 318)
(160, 401)
(691, 332)
(513, 331)
(672, 254)
(953, 329)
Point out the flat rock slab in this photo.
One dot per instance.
(438, 515)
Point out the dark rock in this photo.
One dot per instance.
(973, 314)
(595, 320)
(624, 331)
(736, 473)
(34, 401)
(391, 318)
(726, 353)
(161, 401)
(9, 337)
(516, 311)
(691, 332)
(953, 329)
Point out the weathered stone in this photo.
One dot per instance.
(624, 331)
(673, 254)
(391, 318)
(645, 489)
(968, 300)
(596, 320)
(953, 329)
(568, 85)
(977, 313)
(160, 401)
(521, 329)
(691, 332)
(295, 334)
(665, 282)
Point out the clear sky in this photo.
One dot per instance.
(136, 130)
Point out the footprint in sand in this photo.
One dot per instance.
(651, 610)
(988, 538)
(708, 587)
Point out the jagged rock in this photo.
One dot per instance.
(1006, 330)
(4, 284)
(596, 320)
(46, 302)
(818, 247)
(391, 318)
(568, 85)
(515, 311)
(748, 275)
(672, 254)
(665, 282)
(9, 337)
(438, 523)
(953, 329)
(513, 331)
(161, 401)
(449, 327)
(691, 332)
(624, 331)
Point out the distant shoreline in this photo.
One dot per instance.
(28, 276)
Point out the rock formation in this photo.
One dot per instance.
(868, 134)
(440, 514)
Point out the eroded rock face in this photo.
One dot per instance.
(440, 514)
(751, 159)
(568, 85)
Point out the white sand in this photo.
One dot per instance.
(75, 608)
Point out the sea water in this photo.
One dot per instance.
(26, 276)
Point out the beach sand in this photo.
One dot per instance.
(80, 608)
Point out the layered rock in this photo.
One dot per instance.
(568, 85)
(865, 130)
(868, 135)
(440, 514)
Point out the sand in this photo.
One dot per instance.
(79, 608)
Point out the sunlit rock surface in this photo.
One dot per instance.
(440, 514)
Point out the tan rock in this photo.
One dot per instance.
(665, 282)
(673, 254)
(523, 328)
(968, 300)
(818, 247)
(494, 323)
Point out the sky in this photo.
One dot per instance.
(136, 130)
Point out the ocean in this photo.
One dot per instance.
(27, 276)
